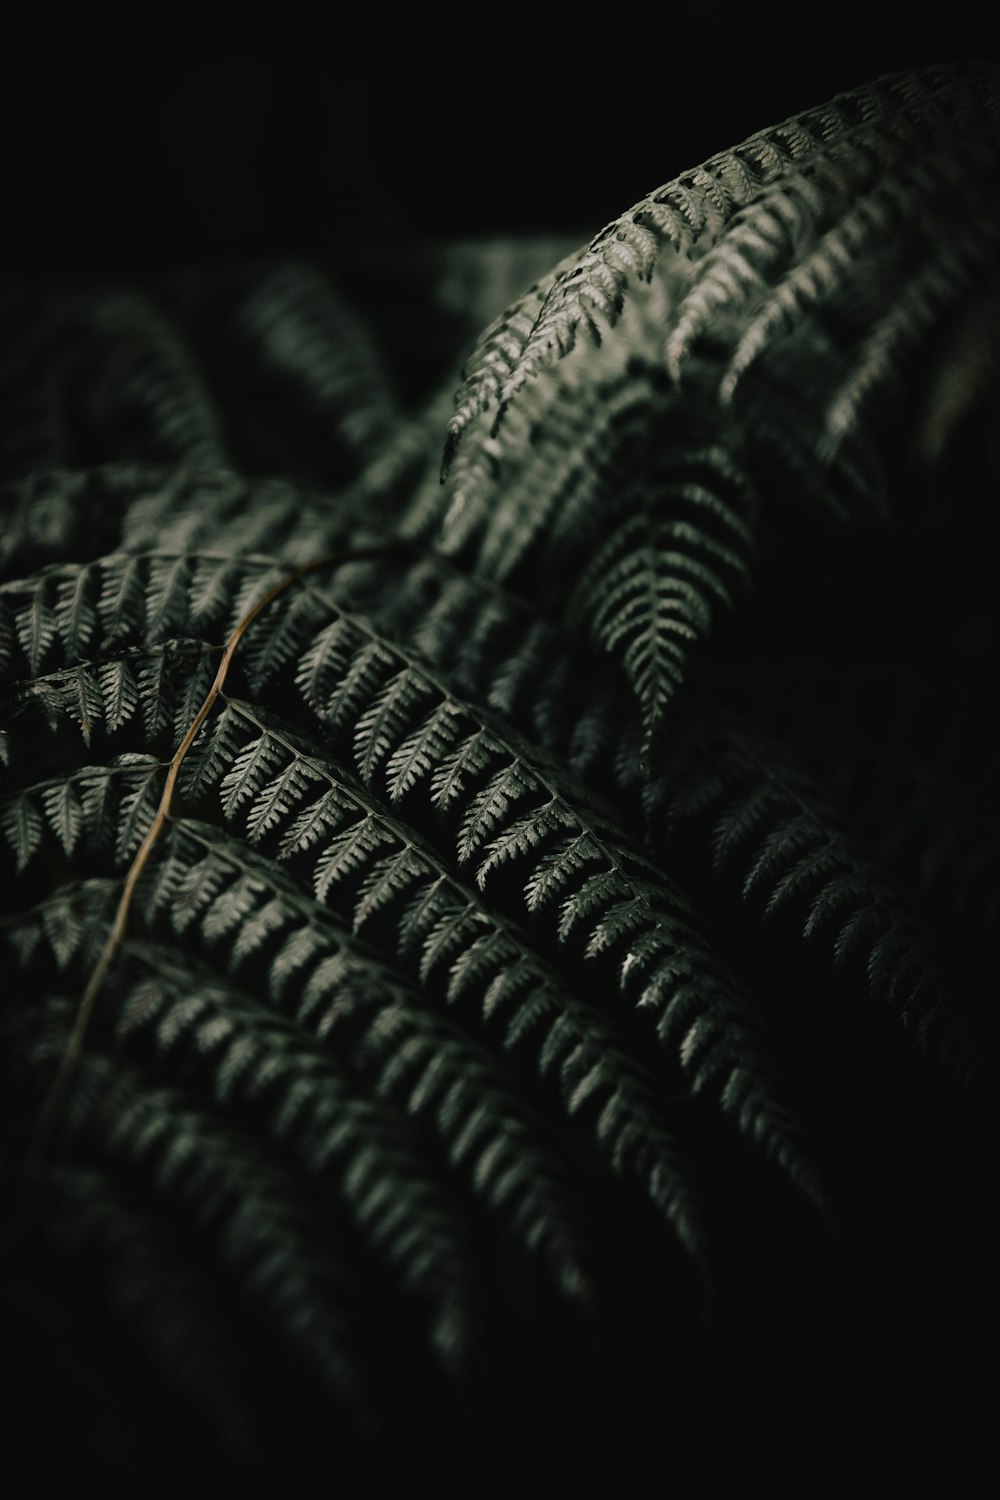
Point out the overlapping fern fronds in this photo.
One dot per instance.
(774, 295)
(455, 1015)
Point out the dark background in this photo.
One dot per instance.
(123, 154)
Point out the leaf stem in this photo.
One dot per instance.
(74, 1047)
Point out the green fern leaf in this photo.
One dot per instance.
(119, 693)
(331, 985)
(242, 1204)
(122, 602)
(36, 625)
(167, 595)
(795, 852)
(246, 778)
(700, 205)
(23, 827)
(64, 811)
(75, 613)
(275, 800)
(311, 337)
(138, 808)
(444, 929)
(254, 1055)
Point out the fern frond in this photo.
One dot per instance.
(116, 600)
(341, 992)
(311, 337)
(69, 924)
(105, 603)
(239, 1201)
(760, 242)
(496, 356)
(147, 369)
(920, 200)
(228, 518)
(448, 937)
(655, 587)
(582, 431)
(36, 625)
(364, 1023)
(963, 379)
(797, 854)
(120, 692)
(95, 806)
(129, 513)
(613, 516)
(940, 283)
(488, 782)
(904, 112)
(489, 644)
(248, 775)
(256, 1058)
(122, 596)
(23, 825)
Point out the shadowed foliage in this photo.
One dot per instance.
(547, 1004)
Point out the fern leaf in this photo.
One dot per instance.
(122, 603)
(921, 303)
(167, 595)
(245, 780)
(23, 827)
(258, 1057)
(102, 801)
(138, 808)
(795, 852)
(488, 810)
(154, 692)
(488, 783)
(239, 1201)
(413, 1024)
(64, 811)
(568, 448)
(119, 693)
(36, 626)
(443, 923)
(309, 335)
(323, 815)
(68, 926)
(158, 377)
(275, 800)
(418, 753)
(654, 588)
(342, 990)
(544, 327)
(736, 272)
(495, 357)
(75, 613)
(378, 730)
(464, 764)
(875, 219)
(269, 651)
(76, 693)
(348, 852)
(418, 1054)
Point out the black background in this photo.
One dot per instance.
(123, 154)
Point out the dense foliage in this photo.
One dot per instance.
(500, 955)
